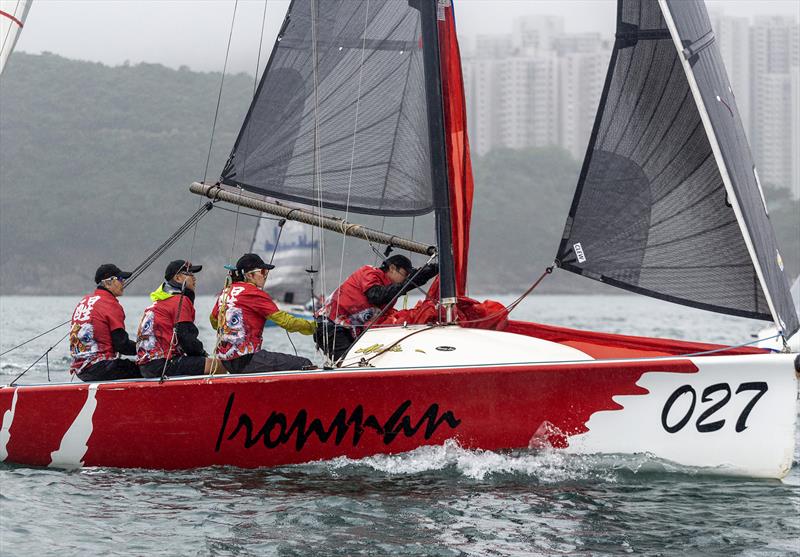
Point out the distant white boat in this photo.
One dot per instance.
(12, 20)
(769, 335)
(292, 248)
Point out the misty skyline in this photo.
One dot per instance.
(195, 34)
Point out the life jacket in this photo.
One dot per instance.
(95, 316)
(348, 305)
(155, 333)
(246, 310)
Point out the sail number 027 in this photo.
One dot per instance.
(703, 425)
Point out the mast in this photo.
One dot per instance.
(441, 189)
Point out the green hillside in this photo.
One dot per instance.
(95, 163)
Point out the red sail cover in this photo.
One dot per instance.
(459, 166)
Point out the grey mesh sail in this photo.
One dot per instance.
(651, 212)
(340, 117)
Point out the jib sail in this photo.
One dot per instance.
(668, 202)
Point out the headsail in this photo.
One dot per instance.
(340, 116)
(295, 249)
(668, 202)
(12, 19)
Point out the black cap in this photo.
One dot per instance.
(108, 270)
(250, 262)
(399, 261)
(179, 265)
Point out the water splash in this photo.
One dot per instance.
(547, 466)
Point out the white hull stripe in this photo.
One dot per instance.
(74, 444)
(5, 430)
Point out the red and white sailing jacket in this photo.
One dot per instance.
(247, 308)
(348, 305)
(154, 336)
(95, 316)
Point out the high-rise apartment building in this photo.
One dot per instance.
(541, 86)
(534, 88)
(773, 55)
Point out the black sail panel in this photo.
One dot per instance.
(651, 212)
(340, 117)
(704, 61)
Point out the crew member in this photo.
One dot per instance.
(167, 329)
(98, 334)
(239, 315)
(362, 297)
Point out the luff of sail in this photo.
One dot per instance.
(668, 203)
(12, 20)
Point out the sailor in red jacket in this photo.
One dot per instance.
(98, 334)
(167, 328)
(239, 315)
(362, 297)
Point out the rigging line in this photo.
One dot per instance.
(255, 89)
(386, 349)
(247, 140)
(510, 307)
(291, 342)
(40, 335)
(39, 359)
(216, 116)
(315, 185)
(192, 221)
(390, 304)
(219, 95)
(353, 151)
(173, 342)
(235, 229)
(139, 269)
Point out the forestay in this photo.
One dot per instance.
(668, 202)
(340, 118)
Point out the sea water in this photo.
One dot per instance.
(440, 500)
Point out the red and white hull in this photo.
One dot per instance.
(731, 414)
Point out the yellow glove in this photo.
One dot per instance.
(293, 324)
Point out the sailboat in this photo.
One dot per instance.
(12, 20)
(361, 109)
(294, 250)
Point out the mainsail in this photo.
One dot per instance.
(292, 248)
(12, 19)
(361, 108)
(340, 115)
(668, 202)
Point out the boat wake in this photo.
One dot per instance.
(547, 466)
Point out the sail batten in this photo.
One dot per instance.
(665, 205)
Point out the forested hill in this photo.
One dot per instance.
(95, 163)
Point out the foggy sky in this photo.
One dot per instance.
(194, 33)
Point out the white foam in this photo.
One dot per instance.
(548, 466)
